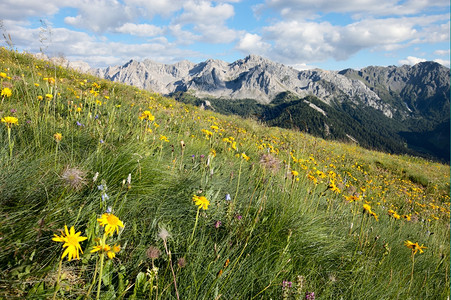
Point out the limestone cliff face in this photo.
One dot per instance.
(257, 78)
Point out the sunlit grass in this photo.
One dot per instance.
(289, 216)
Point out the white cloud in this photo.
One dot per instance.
(143, 30)
(252, 44)
(207, 21)
(80, 46)
(22, 9)
(411, 60)
(151, 8)
(204, 13)
(302, 67)
(306, 9)
(442, 52)
(100, 15)
(444, 62)
(301, 41)
(183, 37)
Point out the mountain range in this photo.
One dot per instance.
(396, 109)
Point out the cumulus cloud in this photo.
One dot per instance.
(252, 44)
(113, 15)
(411, 60)
(204, 13)
(442, 52)
(143, 30)
(295, 41)
(80, 46)
(21, 10)
(207, 21)
(295, 9)
(152, 8)
(444, 62)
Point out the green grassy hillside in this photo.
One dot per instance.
(164, 201)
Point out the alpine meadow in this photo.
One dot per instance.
(108, 191)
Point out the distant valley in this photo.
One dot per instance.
(394, 109)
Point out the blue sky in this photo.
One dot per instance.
(328, 34)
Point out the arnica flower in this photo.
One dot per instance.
(201, 201)
(2, 75)
(367, 208)
(49, 96)
(105, 248)
(58, 137)
(243, 155)
(9, 121)
(414, 246)
(295, 173)
(394, 214)
(111, 223)
(146, 115)
(71, 241)
(6, 92)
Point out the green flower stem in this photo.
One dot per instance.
(236, 192)
(411, 274)
(102, 257)
(195, 224)
(58, 279)
(9, 143)
(93, 281)
(56, 152)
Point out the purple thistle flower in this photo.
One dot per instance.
(310, 296)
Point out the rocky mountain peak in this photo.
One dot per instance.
(258, 78)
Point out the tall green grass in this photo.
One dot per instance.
(267, 234)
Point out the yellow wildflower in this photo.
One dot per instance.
(49, 96)
(201, 201)
(414, 246)
(294, 173)
(2, 75)
(111, 223)
(163, 138)
(146, 115)
(105, 248)
(207, 133)
(58, 137)
(9, 121)
(71, 241)
(6, 92)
